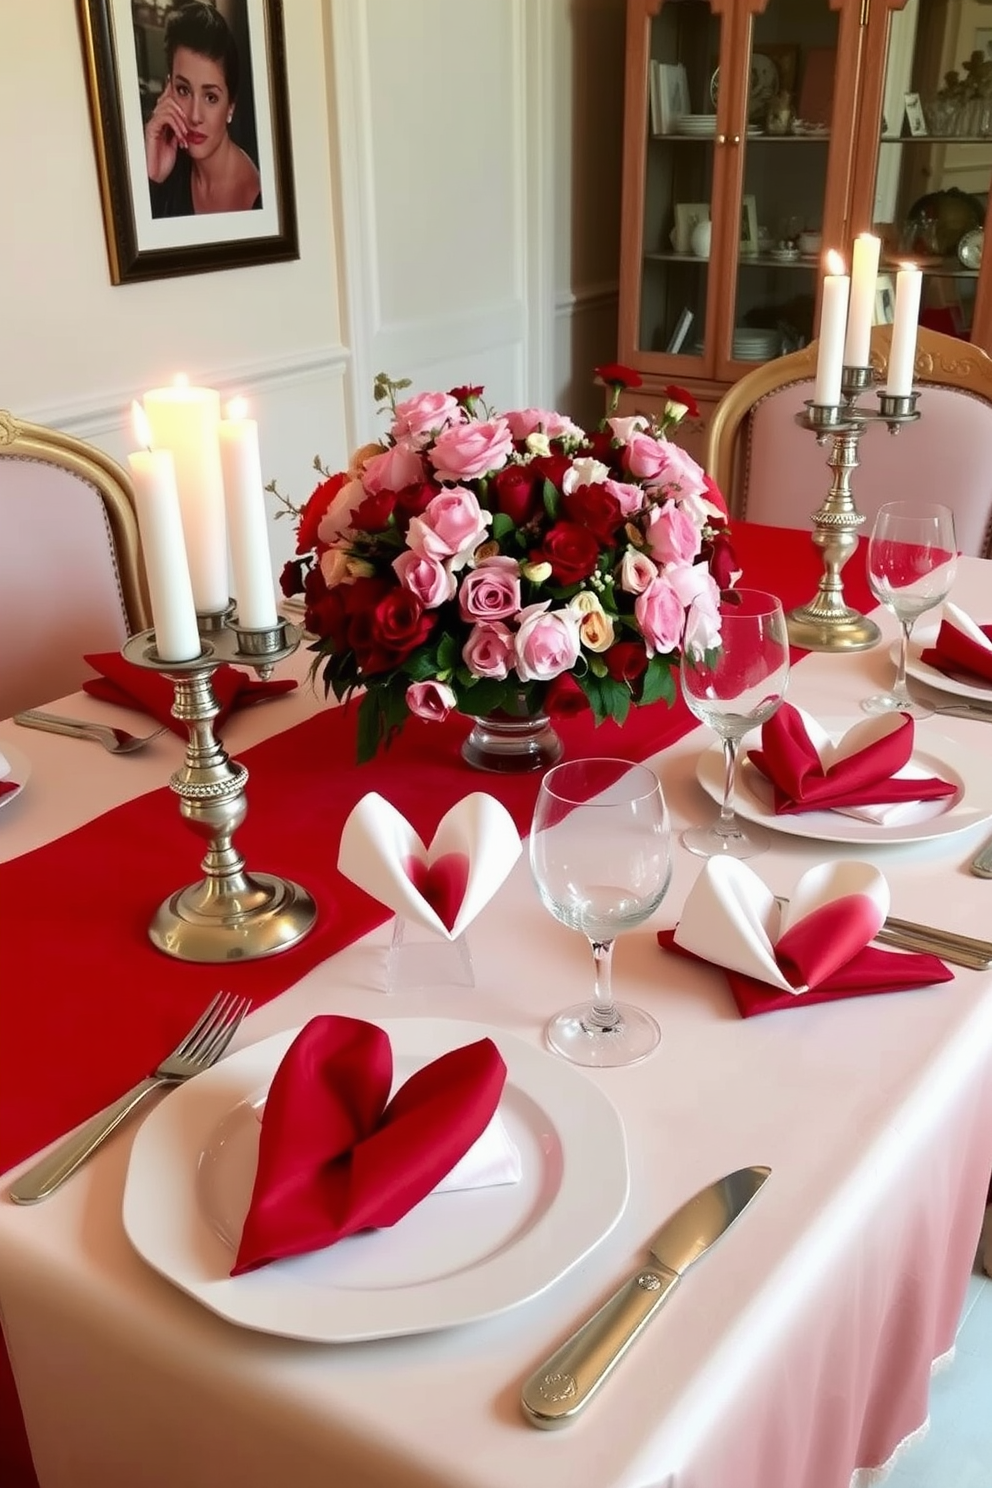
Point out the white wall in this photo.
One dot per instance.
(457, 188)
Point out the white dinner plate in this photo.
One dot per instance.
(455, 1258)
(19, 768)
(934, 754)
(921, 638)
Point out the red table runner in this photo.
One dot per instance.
(65, 987)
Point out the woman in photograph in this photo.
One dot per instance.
(193, 163)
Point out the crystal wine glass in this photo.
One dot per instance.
(912, 560)
(732, 690)
(601, 856)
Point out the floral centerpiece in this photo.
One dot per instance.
(488, 562)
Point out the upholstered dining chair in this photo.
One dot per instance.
(773, 471)
(71, 576)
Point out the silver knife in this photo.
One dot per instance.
(561, 1387)
(981, 864)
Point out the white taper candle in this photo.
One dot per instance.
(833, 321)
(160, 524)
(247, 528)
(861, 312)
(902, 353)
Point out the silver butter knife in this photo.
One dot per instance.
(981, 863)
(561, 1387)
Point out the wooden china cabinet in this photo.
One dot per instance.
(785, 126)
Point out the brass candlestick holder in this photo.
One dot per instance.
(230, 914)
(828, 623)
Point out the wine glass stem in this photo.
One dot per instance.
(728, 821)
(603, 1013)
(899, 686)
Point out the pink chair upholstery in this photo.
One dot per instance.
(69, 566)
(944, 457)
(773, 471)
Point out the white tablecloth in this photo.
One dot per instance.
(798, 1350)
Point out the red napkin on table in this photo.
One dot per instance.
(6, 786)
(791, 760)
(956, 651)
(131, 686)
(337, 1156)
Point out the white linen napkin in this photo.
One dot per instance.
(444, 886)
(731, 917)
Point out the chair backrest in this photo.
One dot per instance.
(772, 470)
(71, 576)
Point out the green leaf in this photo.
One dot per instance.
(551, 499)
(658, 681)
(503, 525)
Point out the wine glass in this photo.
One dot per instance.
(732, 690)
(912, 559)
(601, 856)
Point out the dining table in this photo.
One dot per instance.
(797, 1354)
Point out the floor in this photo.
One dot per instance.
(957, 1450)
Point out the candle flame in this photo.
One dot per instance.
(142, 428)
(237, 409)
(835, 264)
(181, 380)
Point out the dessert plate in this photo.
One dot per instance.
(933, 754)
(921, 639)
(18, 768)
(455, 1258)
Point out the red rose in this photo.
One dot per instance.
(604, 451)
(676, 394)
(565, 697)
(722, 560)
(292, 576)
(466, 395)
(614, 374)
(627, 661)
(594, 507)
(326, 614)
(515, 493)
(316, 509)
(552, 468)
(714, 494)
(385, 635)
(373, 514)
(413, 500)
(571, 550)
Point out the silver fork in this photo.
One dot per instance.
(116, 740)
(202, 1047)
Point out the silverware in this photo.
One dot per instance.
(980, 711)
(561, 1387)
(909, 935)
(201, 1048)
(981, 863)
(117, 740)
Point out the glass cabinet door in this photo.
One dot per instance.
(787, 139)
(934, 159)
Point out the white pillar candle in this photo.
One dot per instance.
(833, 321)
(184, 420)
(902, 353)
(864, 280)
(247, 528)
(160, 524)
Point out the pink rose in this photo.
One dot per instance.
(629, 498)
(337, 518)
(432, 701)
(524, 421)
(547, 642)
(420, 417)
(672, 536)
(491, 591)
(699, 593)
(425, 577)
(623, 429)
(452, 526)
(467, 451)
(488, 652)
(637, 571)
(660, 616)
(393, 470)
(664, 466)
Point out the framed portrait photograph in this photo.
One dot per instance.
(885, 299)
(915, 116)
(749, 225)
(190, 113)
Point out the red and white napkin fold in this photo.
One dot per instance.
(337, 1155)
(131, 686)
(444, 886)
(962, 645)
(6, 784)
(813, 949)
(867, 770)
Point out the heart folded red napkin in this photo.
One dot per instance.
(6, 786)
(869, 971)
(956, 651)
(131, 686)
(866, 776)
(337, 1156)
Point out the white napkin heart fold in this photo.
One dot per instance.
(963, 622)
(4, 766)
(493, 1160)
(859, 736)
(732, 919)
(442, 887)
